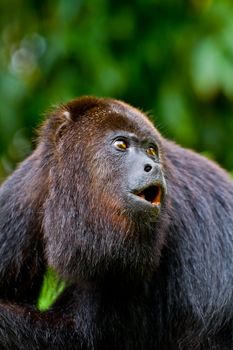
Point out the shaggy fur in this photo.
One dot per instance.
(138, 279)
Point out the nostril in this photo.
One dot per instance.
(147, 168)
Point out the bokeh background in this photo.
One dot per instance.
(172, 58)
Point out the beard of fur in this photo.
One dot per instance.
(90, 235)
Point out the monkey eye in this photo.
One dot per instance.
(152, 151)
(120, 144)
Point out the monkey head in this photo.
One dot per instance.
(103, 211)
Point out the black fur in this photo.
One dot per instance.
(136, 280)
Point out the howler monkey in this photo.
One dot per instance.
(139, 228)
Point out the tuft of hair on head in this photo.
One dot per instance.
(82, 105)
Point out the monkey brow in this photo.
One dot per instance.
(126, 133)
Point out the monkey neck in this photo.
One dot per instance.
(113, 310)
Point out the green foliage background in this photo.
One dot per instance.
(173, 58)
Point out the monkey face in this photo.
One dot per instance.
(106, 192)
(138, 168)
(124, 160)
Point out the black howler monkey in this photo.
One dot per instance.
(140, 228)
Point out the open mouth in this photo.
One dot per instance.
(151, 194)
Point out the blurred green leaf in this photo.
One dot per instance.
(174, 58)
(51, 289)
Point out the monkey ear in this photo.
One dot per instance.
(65, 119)
(64, 115)
(67, 116)
(55, 124)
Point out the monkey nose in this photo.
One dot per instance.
(147, 168)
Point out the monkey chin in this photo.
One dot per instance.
(146, 203)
